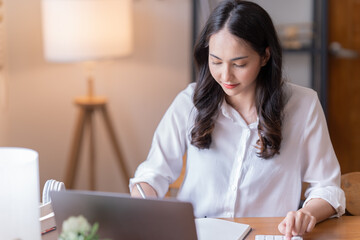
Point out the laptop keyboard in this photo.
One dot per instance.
(275, 237)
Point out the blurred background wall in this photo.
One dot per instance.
(36, 109)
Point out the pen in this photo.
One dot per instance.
(140, 190)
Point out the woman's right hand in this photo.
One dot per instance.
(147, 188)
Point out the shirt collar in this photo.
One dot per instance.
(230, 113)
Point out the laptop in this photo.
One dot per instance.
(122, 217)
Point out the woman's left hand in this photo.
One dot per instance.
(296, 223)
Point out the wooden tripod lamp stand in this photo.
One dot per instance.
(83, 31)
(88, 106)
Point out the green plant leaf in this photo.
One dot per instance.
(92, 235)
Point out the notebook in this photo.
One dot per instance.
(214, 229)
(122, 217)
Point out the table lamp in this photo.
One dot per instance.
(83, 31)
(19, 194)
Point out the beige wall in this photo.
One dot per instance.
(3, 109)
(3, 79)
(40, 112)
(3, 114)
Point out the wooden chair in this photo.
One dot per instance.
(350, 183)
(175, 186)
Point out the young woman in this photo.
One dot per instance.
(251, 139)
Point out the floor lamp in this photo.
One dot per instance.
(82, 31)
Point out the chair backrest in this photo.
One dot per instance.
(350, 183)
(175, 186)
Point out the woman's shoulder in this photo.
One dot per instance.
(189, 90)
(187, 93)
(298, 90)
(300, 101)
(183, 100)
(299, 94)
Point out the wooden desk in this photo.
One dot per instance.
(344, 228)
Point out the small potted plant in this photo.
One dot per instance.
(78, 228)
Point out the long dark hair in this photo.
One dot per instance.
(251, 23)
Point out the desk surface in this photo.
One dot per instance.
(346, 227)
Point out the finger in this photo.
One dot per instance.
(311, 224)
(288, 236)
(282, 229)
(299, 218)
(305, 224)
(282, 226)
(290, 221)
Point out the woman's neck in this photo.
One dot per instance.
(245, 105)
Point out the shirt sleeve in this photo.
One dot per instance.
(164, 162)
(320, 167)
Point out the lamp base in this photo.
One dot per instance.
(88, 105)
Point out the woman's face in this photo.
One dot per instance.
(233, 63)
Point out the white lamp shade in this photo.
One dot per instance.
(83, 30)
(19, 194)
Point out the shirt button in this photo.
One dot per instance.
(234, 188)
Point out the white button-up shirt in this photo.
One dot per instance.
(229, 179)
